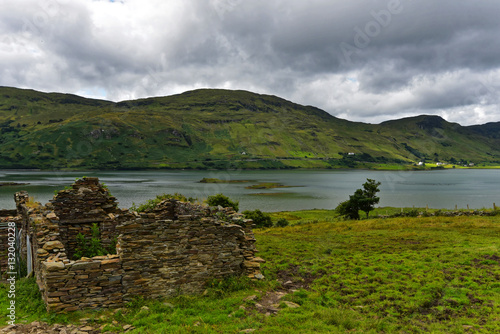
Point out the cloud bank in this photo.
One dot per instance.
(369, 61)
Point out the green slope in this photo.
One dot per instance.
(433, 138)
(212, 128)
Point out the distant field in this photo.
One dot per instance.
(398, 275)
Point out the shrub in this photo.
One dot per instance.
(151, 203)
(426, 214)
(412, 213)
(223, 201)
(348, 209)
(260, 219)
(92, 247)
(282, 222)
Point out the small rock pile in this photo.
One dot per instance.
(38, 327)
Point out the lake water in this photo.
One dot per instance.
(308, 189)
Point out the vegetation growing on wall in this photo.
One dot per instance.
(152, 203)
(93, 246)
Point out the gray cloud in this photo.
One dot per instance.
(362, 60)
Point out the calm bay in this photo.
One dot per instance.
(303, 189)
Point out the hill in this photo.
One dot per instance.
(214, 128)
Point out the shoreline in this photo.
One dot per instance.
(409, 168)
(7, 184)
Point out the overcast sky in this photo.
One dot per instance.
(365, 60)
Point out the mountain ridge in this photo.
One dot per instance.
(229, 90)
(217, 128)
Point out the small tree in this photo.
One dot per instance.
(369, 196)
(363, 199)
(282, 222)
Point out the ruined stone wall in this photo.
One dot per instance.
(68, 285)
(157, 257)
(175, 248)
(85, 283)
(17, 216)
(180, 247)
(44, 232)
(85, 203)
(8, 213)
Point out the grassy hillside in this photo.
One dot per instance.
(435, 139)
(400, 275)
(211, 128)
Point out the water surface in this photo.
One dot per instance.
(309, 188)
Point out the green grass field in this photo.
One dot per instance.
(398, 275)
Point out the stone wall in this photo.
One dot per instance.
(85, 283)
(8, 213)
(15, 216)
(85, 203)
(68, 285)
(180, 246)
(175, 247)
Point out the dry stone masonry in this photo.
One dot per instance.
(180, 246)
(177, 247)
(86, 202)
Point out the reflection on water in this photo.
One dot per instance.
(308, 189)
